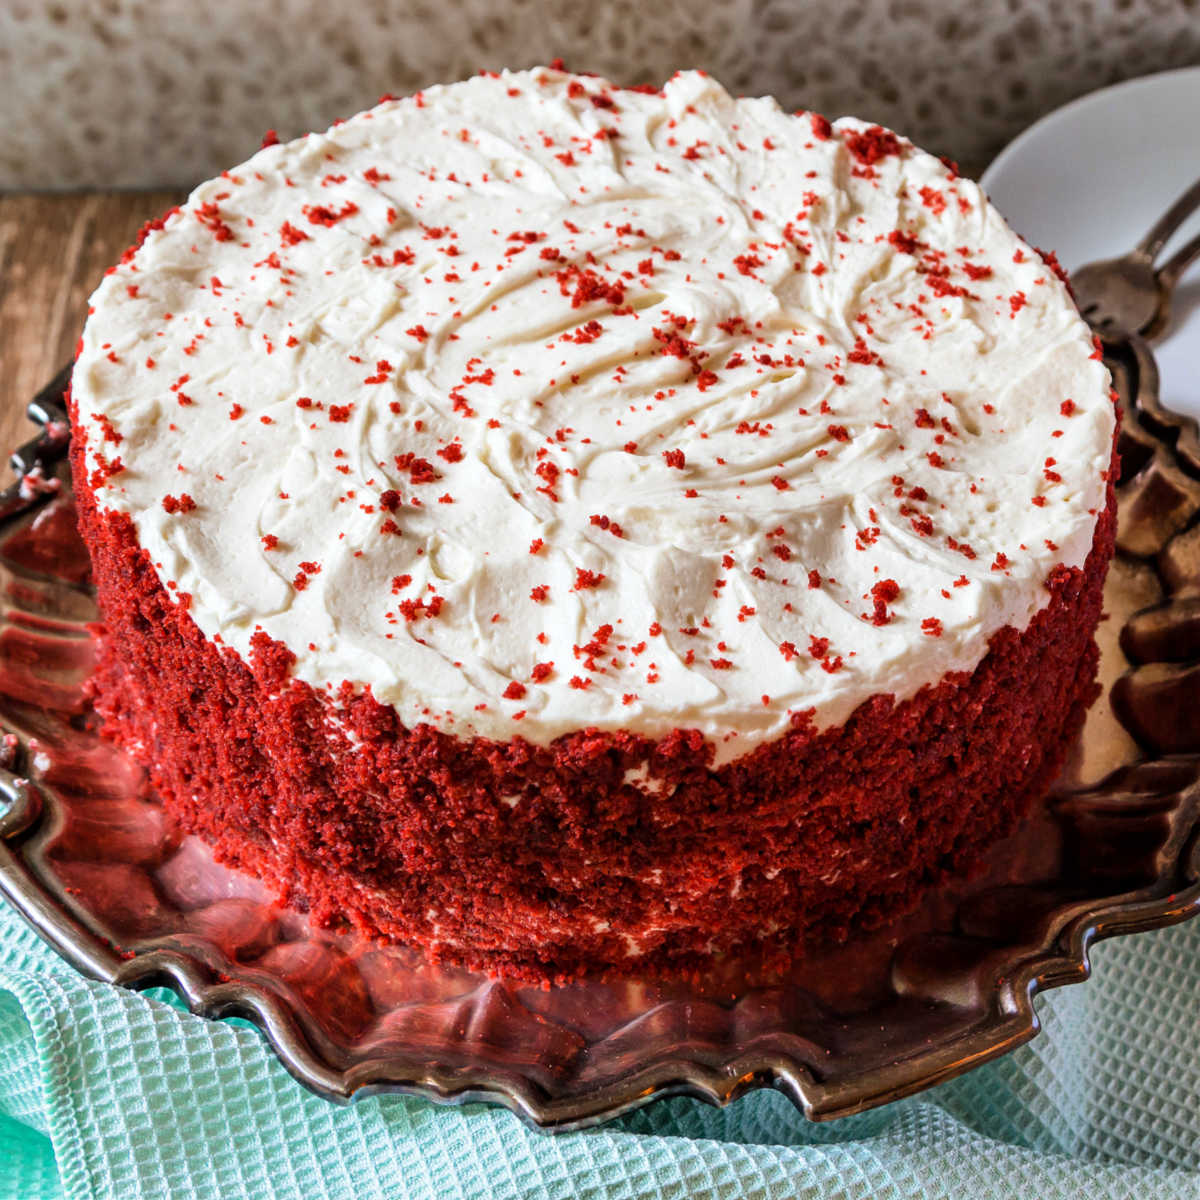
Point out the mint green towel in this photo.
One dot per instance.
(106, 1093)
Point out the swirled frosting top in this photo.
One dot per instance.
(533, 404)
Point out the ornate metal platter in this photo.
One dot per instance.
(88, 856)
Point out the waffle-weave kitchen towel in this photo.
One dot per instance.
(104, 1093)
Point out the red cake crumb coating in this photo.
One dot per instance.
(533, 861)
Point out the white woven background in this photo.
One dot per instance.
(161, 92)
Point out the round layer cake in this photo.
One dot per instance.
(564, 527)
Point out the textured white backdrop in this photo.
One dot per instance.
(161, 92)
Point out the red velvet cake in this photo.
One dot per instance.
(568, 528)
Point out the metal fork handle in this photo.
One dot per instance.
(1168, 274)
(1166, 225)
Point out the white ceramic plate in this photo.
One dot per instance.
(1088, 180)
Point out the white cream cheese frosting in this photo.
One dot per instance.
(533, 404)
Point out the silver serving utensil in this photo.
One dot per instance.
(1168, 276)
(1127, 294)
(36, 463)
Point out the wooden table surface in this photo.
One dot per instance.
(54, 250)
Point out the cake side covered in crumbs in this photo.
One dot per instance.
(568, 528)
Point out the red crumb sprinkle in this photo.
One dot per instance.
(290, 235)
(883, 593)
(535, 547)
(109, 431)
(420, 470)
(864, 355)
(209, 215)
(814, 579)
(906, 243)
(839, 433)
(606, 523)
(585, 579)
(1051, 260)
(822, 129)
(871, 144)
(585, 286)
(412, 609)
(340, 413)
(419, 332)
(541, 672)
(933, 200)
(319, 214)
(780, 483)
(178, 504)
(269, 541)
(746, 263)
(674, 458)
(580, 684)
(818, 647)
(931, 627)
(1067, 408)
(514, 691)
(1016, 302)
(540, 593)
